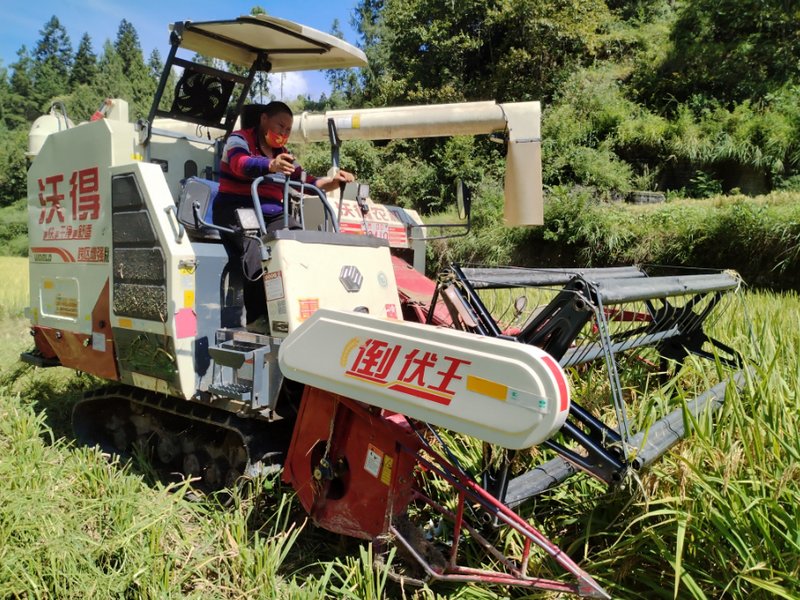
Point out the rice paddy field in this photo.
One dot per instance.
(717, 517)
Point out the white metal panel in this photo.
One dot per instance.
(302, 277)
(289, 46)
(499, 391)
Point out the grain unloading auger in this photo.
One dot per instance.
(366, 359)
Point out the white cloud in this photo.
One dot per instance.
(288, 86)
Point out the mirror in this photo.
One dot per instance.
(463, 199)
(463, 205)
(520, 304)
(362, 191)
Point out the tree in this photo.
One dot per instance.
(22, 104)
(52, 59)
(442, 51)
(368, 21)
(259, 89)
(111, 81)
(155, 67)
(345, 87)
(13, 166)
(129, 50)
(5, 95)
(84, 68)
(727, 50)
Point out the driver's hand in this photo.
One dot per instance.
(344, 176)
(283, 163)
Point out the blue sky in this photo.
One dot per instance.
(21, 22)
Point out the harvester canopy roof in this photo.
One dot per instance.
(289, 46)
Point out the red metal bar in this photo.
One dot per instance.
(526, 555)
(457, 523)
(481, 576)
(469, 490)
(482, 541)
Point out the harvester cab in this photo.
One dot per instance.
(365, 358)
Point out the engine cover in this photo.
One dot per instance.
(499, 391)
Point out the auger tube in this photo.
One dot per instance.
(518, 121)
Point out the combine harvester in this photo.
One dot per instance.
(366, 359)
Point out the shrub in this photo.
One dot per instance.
(759, 238)
(13, 166)
(14, 229)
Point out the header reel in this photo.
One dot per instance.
(600, 316)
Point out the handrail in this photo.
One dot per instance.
(287, 183)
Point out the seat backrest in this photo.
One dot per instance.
(203, 192)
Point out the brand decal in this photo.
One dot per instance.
(351, 278)
(40, 253)
(84, 194)
(379, 222)
(68, 232)
(411, 371)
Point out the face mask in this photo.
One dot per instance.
(276, 140)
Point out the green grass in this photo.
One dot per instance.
(14, 336)
(14, 291)
(719, 516)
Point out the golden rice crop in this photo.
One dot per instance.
(13, 285)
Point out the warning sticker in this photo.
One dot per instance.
(66, 307)
(386, 473)
(273, 284)
(308, 306)
(372, 464)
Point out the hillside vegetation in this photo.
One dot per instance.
(692, 97)
(757, 237)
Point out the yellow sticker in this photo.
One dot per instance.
(386, 472)
(48, 284)
(486, 387)
(126, 323)
(356, 121)
(188, 298)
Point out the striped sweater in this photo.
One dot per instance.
(243, 161)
